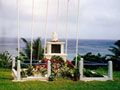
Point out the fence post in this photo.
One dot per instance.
(110, 70)
(49, 68)
(81, 68)
(18, 70)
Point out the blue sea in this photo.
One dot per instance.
(85, 46)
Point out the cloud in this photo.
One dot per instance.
(98, 18)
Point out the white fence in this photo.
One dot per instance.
(105, 78)
(17, 73)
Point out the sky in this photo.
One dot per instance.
(98, 19)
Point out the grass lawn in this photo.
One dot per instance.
(60, 84)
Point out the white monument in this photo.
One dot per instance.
(55, 47)
(54, 37)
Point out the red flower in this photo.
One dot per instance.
(45, 60)
(69, 63)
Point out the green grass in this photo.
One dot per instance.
(60, 84)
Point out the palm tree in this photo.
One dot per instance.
(37, 49)
(115, 56)
(115, 50)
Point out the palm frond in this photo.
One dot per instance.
(24, 40)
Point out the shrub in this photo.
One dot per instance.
(51, 77)
(57, 59)
(38, 70)
(78, 59)
(66, 72)
(29, 71)
(24, 73)
(76, 74)
(57, 62)
(94, 58)
(64, 69)
(5, 60)
(70, 73)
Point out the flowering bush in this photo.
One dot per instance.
(56, 63)
(38, 70)
(69, 64)
(65, 69)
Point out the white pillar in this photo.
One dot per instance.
(81, 68)
(50, 49)
(49, 68)
(110, 70)
(62, 48)
(13, 63)
(18, 70)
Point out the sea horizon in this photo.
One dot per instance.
(85, 45)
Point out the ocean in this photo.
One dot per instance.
(85, 46)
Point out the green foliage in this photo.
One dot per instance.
(51, 77)
(115, 50)
(22, 57)
(57, 58)
(60, 68)
(94, 58)
(42, 71)
(5, 60)
(38, 51)
(34, 71)
(76, 74)
(78, 58)
(89, 73)
(57, 62)
(29, 71)
(66, 72)
(115, 56)
(24, 73)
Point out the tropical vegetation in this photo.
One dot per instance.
(115, 56)
(5, 60)
(38, 51)
(94, 58)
